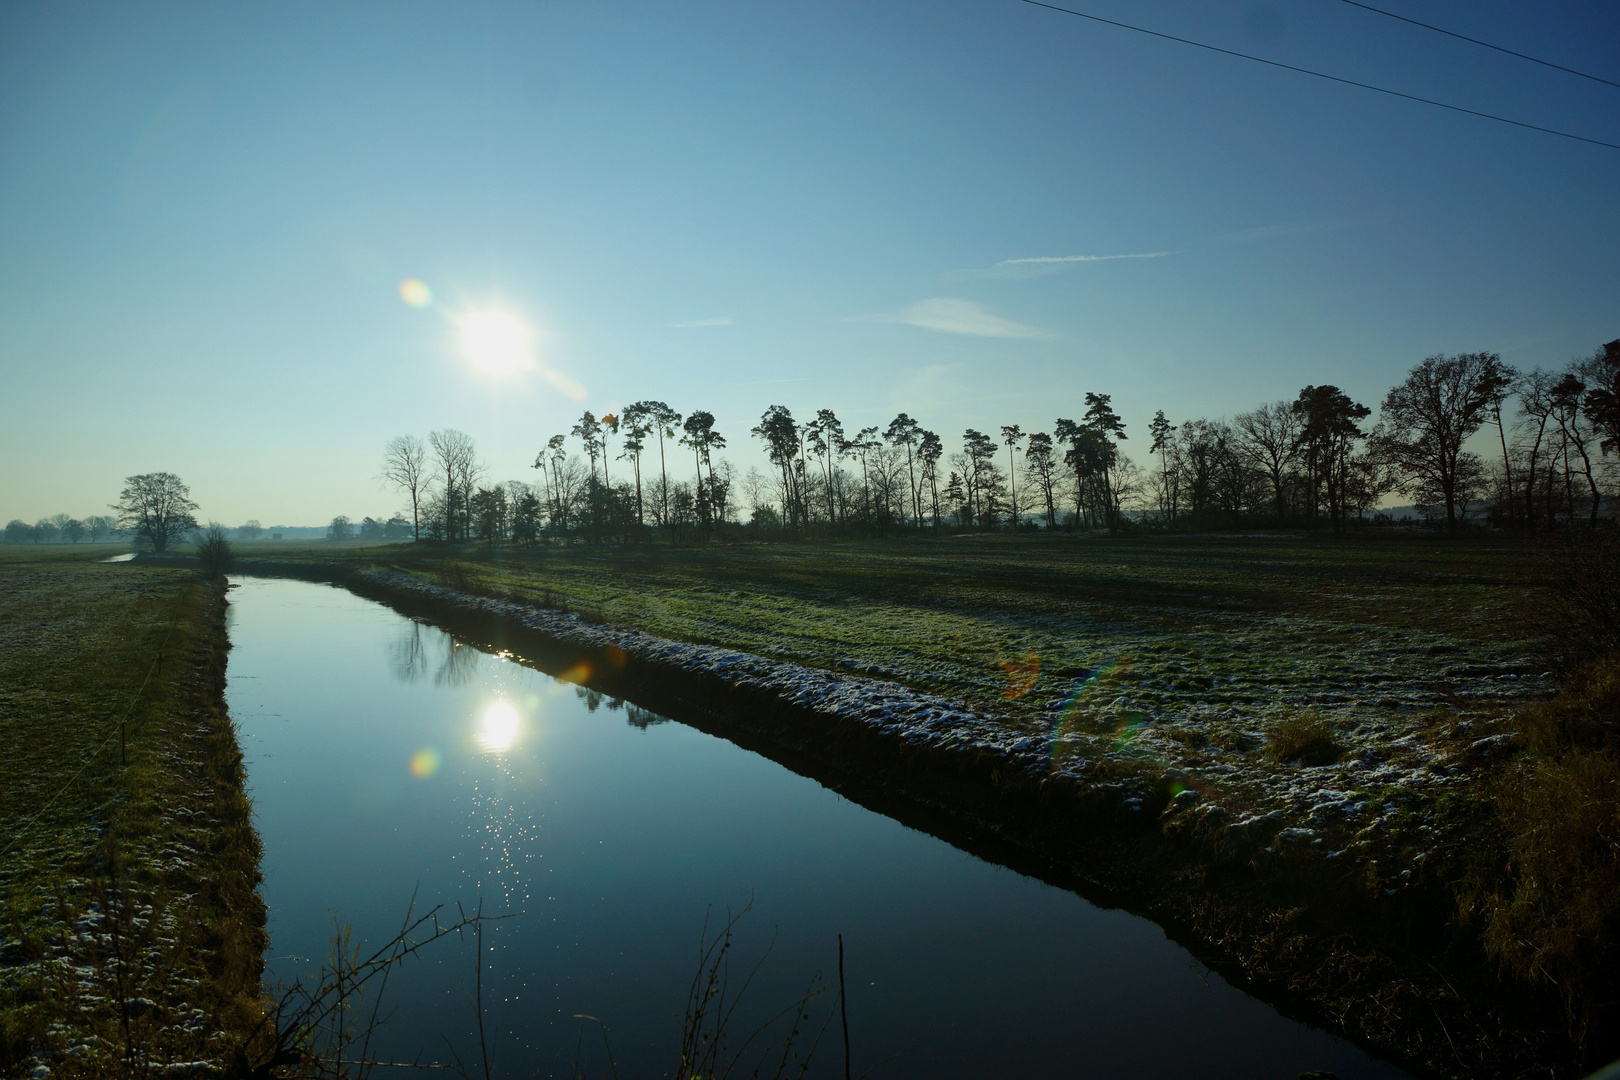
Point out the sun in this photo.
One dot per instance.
(495, 342)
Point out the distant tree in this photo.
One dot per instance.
(46, 531)
(1428, 416)
(1602, 402)
(1329, 430)
(19, 531)
(1531, 435)
(979, 452)
(863, 446)
(249, 529)
(74, 530)
(1163, 444)
(588, 431)
(1011, 436)
(824, 440)
(455, 458)
(101, 526)
(372, 529)
(1040, 461)
(214, 550)
(397, 528)
(956, 498)
(526, 519)
(156, 508)
(780, 434)
(489, 511)
(1107, 431)
(704, 440)
(405, 466)
(929, 450)
(1576, 433)
(340, 529)
(664, 422)
(1506, 379)
(904, 431)
(1269, 437)
(638, 424)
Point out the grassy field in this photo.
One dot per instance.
(127, 857)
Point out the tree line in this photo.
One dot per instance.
(64, 529)
(1308, 461)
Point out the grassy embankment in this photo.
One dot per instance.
(133, 936)
(1346, 718)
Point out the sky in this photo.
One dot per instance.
(972, 212)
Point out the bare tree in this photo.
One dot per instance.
(1428, 416)
(157, 507)
(405, 466)
(1269, 437)
(456, 460)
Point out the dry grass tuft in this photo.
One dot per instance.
(1307, 738)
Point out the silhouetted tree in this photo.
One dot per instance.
(526, 519)
(156, 508)
(1162, 430)
(340, 529)
(703, 439)
(1269, 437)
(214, 550)
(1040, 461)
(1108, 430)
(1428, 416)
(405, 466)
(929, 450)
(1011, 436)
(780, 433)
(1576, 433)
(638, 424)
(456, 460)
(1603, 396)
(1328, 432)
(904, 431)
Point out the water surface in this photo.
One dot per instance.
(387, 758)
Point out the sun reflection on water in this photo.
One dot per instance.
(499, 726)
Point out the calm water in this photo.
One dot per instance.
(386, 757)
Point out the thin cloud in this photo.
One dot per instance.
(1042, 265)
(950, 315)
(721, 320)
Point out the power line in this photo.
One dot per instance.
(1476, 41)
(1322, 75)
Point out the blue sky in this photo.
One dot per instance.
(206, 211)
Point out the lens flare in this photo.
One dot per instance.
(425, 762)
(1021, 675)
(1069, 710)
(498, 726)
(414, 293)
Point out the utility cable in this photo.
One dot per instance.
(1476, 41)
(1322, 75)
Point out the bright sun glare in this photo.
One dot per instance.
(498, 726)
(495, 342)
